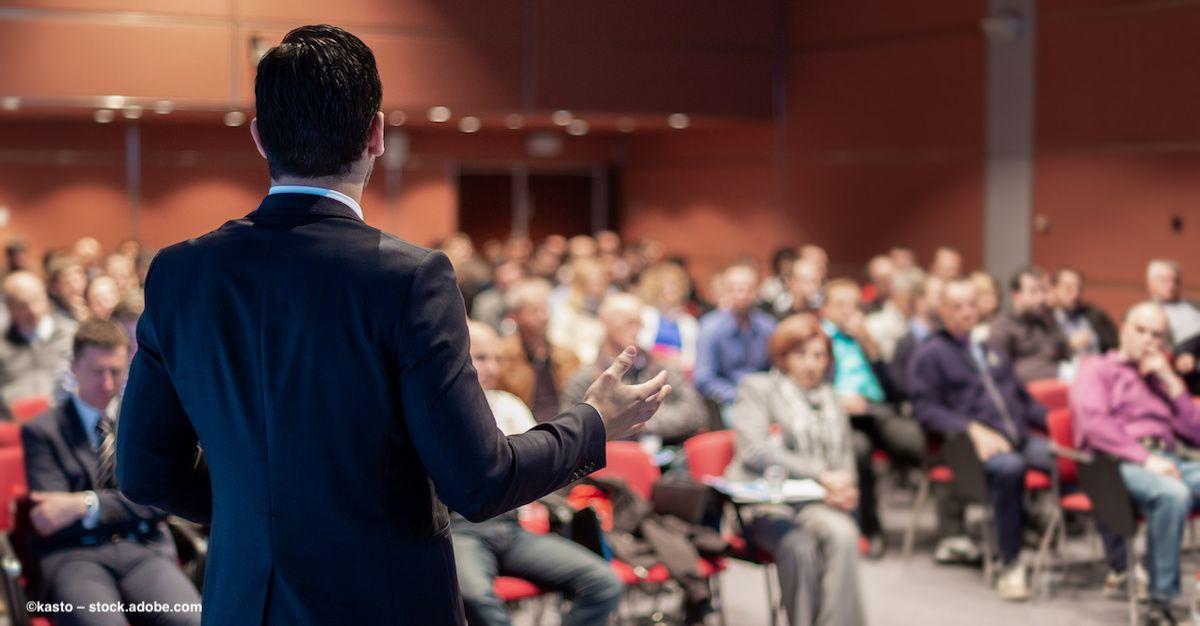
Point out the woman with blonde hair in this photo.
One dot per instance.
(668, 330)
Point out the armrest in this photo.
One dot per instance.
(14, 594)
(192, 546)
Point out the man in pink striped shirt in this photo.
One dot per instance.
(1131, 403)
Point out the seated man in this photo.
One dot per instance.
(681, 415)
(1164, 284)
(1131, 403)
(1028, 336)
(92, 544)
(500, 546)
(1087, 327)
(958, 386)
(35, 350)
(733, 338)
(862, 395)
(534, 369)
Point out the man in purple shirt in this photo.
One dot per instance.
(958, 385)
(1131, 403)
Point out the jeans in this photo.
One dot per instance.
(500, 546)
(1165, 502)
(1006, 489)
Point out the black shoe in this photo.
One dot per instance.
(1159, 613)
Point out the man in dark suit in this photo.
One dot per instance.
(323, 368)
(92, 544)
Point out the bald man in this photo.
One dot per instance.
(682, 414)
(1132, 404)
(37, 347)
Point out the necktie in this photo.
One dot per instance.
(106, 452)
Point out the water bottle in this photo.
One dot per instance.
(776, 472)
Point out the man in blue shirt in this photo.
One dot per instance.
(733, 338)
(863, 396)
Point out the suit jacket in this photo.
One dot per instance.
(59, 457)
(322, 366)
(34, 368)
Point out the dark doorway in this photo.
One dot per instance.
(569, 202)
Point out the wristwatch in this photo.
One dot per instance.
(92, 516)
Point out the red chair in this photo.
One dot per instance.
(627, 461)
(12, 484)
(708, 454)
(29, 407)
(10, 435)
(1049, 392)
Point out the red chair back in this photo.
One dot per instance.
(1062, 433)
(1050, 393)
(10, 435)
(708, 454)
(27, 408)
(12, 484)
(629, 462)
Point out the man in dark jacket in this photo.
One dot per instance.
(1088, 329)
(322, 366)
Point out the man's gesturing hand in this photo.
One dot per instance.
(625, 408)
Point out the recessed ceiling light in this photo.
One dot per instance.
(162, 107)
(11, 103)
(577, 128)
(562, 117)
(626, 124)
(470, 124)
(114, 102)
(235, 118)
(678, 121)
(132, 112)
(514, 121)
(103, 116)
(439, 114)
(397, 118)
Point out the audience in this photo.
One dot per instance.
(681, 415)
(535, 370)
(1028, 337)
(37, 346)
(1130, 403)
(549, 317)
(814, 545)
(959, 386)
(91, 543)
(733, 338)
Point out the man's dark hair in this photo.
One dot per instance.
(316, 94)
(1014, 283)
(1056, 277)
(101, 334)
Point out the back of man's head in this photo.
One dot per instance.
(316, 94)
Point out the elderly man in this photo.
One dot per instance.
(804, 284)
(1163, 281)
(1087, 327)
(37, 347)
(890, 322)
(535, 370)
(1028, 336)
(681, 415)
(733, 338)
(1131, 403)
(946, 264)
(960, 386)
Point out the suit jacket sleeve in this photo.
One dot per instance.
(476, 470)
(159, 462)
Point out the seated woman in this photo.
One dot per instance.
(814, 544)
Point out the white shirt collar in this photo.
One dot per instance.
(319, 191)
